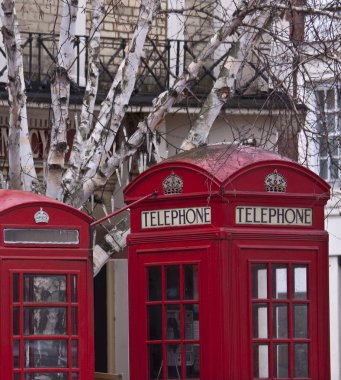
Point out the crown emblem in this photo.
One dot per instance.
(41, 216)
(275, 182)
(172, 184)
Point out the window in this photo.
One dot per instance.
(173, 322)
(329, 132)
(45, 326)
(281, 337)
(40, 236)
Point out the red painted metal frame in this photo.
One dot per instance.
(224, 178)
(17, 210)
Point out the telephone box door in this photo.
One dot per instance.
(171, 302)
(43, 319)
(282, 309)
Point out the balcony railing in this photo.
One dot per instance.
(161, 63)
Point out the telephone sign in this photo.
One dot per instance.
(274, 215)
(228, 268)
(176, 217)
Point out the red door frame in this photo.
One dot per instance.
(84, 316)
(138, 319)
(318, 302)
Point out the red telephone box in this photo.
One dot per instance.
(228, 268)
(46, 322)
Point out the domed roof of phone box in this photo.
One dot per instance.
(229, 167)
(13, 199)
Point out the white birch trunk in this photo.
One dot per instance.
(21, 166)
(60, 96)
(114, 242)
(70, 178)
(224, 87)
(114, 106)
(162, 104)
(165, 101)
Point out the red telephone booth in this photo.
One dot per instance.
(46, 322)
(228, 268)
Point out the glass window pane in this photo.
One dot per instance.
(280, 321)
(191, 282)
(15, 282)
(330, 100)
(74, 321)
(260, 320)
(259, 281)
(45, 321)
(191, 321)
(17, 376)
(334, 168)
(16, 321)
(173, 282)
(324, 168)
(74, 376)
(301, 360)
(323, 146)
(260, 361)
(300, 282)
(155, 322)
(45, 354)
(16, 354)
(330, 120)
(173, 322)
(279, 281)
(46, 376)
(74, 353)
(41, 288)
(300, 321)
(38, 235)
(320, 98)
(74, 291)
(155, 361)
(192, 353)
(281, 363)
(154, 283)
(173, 361)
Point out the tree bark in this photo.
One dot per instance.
(166, 100)
(60, 96)
(224, 87)
(113, 108)
(70, 178)
(21, 167)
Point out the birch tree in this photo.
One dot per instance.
(248, 26)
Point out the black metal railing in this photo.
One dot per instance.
(161, 63)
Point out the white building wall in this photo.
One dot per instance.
(117, 318)
(333, 223)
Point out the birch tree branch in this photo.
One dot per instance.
(115, 105)
(114, 241)
(224, 87)
(166, 100)
(60, 96)
(21, 166)
(70, 178)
